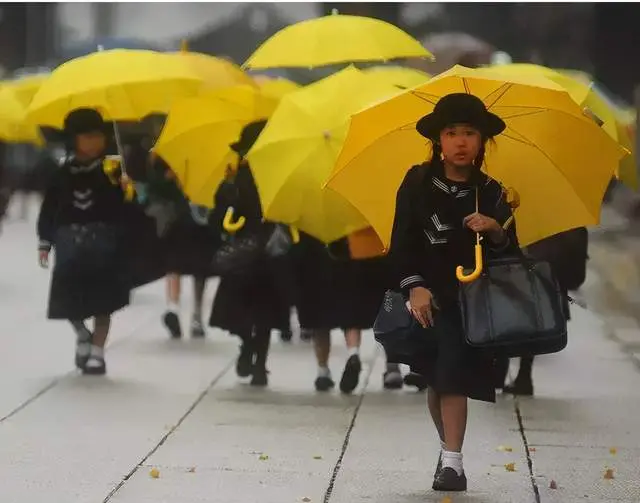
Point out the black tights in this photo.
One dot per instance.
(257, 342)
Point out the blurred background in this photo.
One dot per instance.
(601, 39)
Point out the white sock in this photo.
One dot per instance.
(96, 351)
(173, 307)
(83, 348)
(324, 372)
(452, 460)
(353, 351)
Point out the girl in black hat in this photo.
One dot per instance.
(440, 207)
(249, 304)
(82, 217)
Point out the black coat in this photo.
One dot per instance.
(428, 242)
(80, 196)
(257, 299)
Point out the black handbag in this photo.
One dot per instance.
(84, 248)
(237, 255)
(516, 307)
(398, 332)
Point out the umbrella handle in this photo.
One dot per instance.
(295, 235)
(476, 272)
(230, 226)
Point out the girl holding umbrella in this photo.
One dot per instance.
(83, 216)
(440, 206)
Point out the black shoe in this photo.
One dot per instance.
(392, 379)
(197, 330)
(94, 366)
(324, 383)
(519, 388)
(416, 380)
(172, 322)
(351, 374)
(260, 378)
(286, 335)
(244, 365)
(448, 480)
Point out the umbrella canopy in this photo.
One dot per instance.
(557, 159)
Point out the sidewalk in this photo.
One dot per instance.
(177, 406)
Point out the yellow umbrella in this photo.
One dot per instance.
(276, 88)
(558, 160)
(335, 39)
(214, 72)
(298, 148)
(124, 85)
(196, 137)
(581, 92)
(400, 76)
(13, 125)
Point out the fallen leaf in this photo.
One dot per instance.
(553, 485)
(532, 449)
(446, 499)
(263, 457)
(306, 500)
(505, 448)
(608, 474)
(155, 473)
(613, 451)
(317, 457)
(192, 470)
(510, 467)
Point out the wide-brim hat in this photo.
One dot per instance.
(460, 108)
(84, 120)
(248, 137)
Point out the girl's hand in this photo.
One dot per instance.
(478, 222)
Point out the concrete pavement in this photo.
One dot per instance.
(177, 407)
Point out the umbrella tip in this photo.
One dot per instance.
(334, 12)
(100, 48)
(184, 45)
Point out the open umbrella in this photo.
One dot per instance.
(335, 38)
(299, 146)
(557, 159)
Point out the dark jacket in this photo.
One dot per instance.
(429, 241)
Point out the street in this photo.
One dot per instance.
(176, 410)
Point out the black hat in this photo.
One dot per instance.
(248, 137)
(84, 120)
(460, 108)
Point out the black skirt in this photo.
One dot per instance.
(240, 304)
(452, 367)
(188, 248)
(96, 291)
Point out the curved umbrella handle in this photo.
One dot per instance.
(295, 235)
(230, 226)
(476, 272)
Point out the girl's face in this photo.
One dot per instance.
(461, 144)
(91, 145)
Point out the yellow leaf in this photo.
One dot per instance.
(608, 474)
(505, 448)
(613, 451)
(446, 499)
(263, 457)
(317, 457)
(155, 473)
(510, 467)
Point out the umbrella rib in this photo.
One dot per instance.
(526, 141)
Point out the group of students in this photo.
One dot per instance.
(89, 218)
